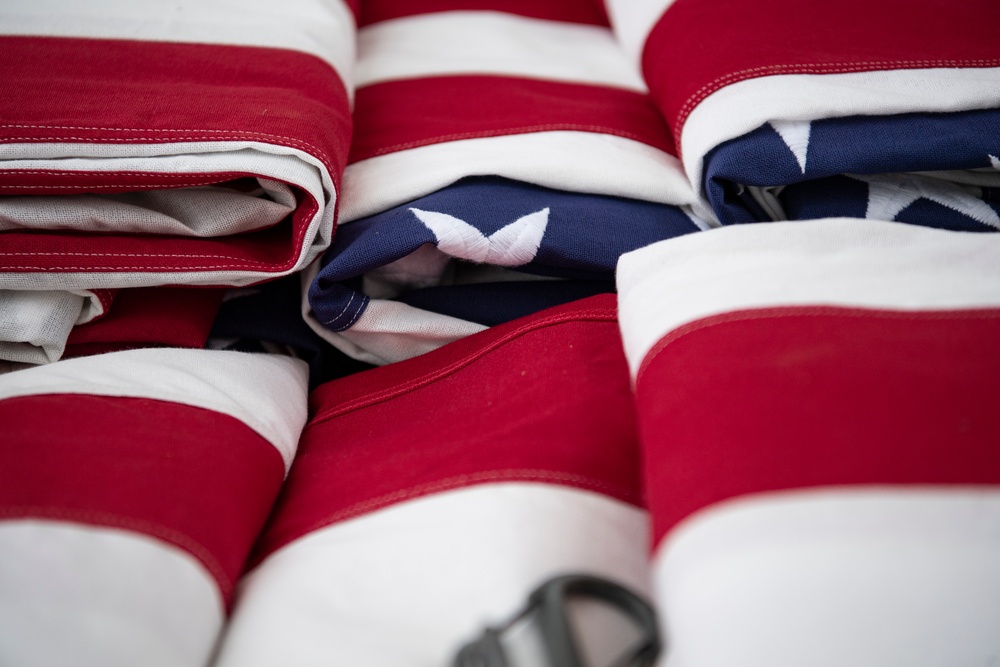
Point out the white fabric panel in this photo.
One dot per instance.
(404, 586)
(34, 326)
(391, 331)
(82, 595)
(92, 306)
(588, 162)
(864, 577)
(323, 28)
(484, 42)
(633, 20)
(265, 392)
(835, 262)
(278, 163)
(202, 211)
(744, 106)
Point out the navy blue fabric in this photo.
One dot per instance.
(854, 145)
(584, 237)
(271, 313)
(495, 303)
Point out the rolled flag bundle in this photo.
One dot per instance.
(505, 154)
(887, 110)
(430, 497)
(132, 486)
(204, 147)
(819, 432)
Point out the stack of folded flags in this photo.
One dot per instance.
(332, 329)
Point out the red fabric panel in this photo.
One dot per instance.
(196, 479)
(542, 399)
(700, 46)
(787, 398)
(120, 92)
(571, 11)
(397, 115)
(149, 317)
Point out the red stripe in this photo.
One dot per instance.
(147, 317)
(787, 398)
(196, 479)
(398, 115)
(589, 12)
(543, 399)
(57, 90)
(700, 46)
(121, 91)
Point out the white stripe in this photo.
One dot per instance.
(82, 595)
(483, 42)
(836, 262)
(633, 20)
(203, 211)
(288, 165)
(265, 392)
(323, 28)
(388, 331)
(744, 106)
(573, 161)
(864, 576)
(407, 584)
(92, 306)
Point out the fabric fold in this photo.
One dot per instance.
(35, 325)
(819, 440)
(504, 156)
(126, 518)
(430, 497)
(202, 150)
(781, 114)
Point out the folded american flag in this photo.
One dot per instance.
(132, 486)
(502, 135)
(431, 496)
(885, 110)
(817, 415)
(144, 145)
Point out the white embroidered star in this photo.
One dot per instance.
(888, 194)
(513, 245)
(795, 134)
(995, 161)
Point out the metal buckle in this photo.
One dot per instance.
(547, 612)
